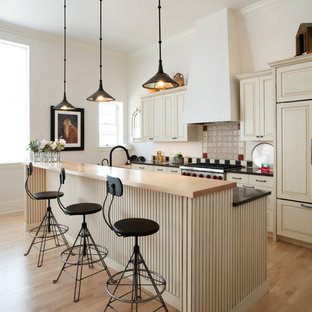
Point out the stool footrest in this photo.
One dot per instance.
(125, 280)
(94, 254)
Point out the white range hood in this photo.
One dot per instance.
(213, 91)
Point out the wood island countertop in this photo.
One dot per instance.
(161, 182)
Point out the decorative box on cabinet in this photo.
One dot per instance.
(262, 183)
(162, 118)
(257, 106)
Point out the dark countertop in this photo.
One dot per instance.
(154, 163)
(243, 195)
(255, 171)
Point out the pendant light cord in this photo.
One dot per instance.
(65, 48)
(101, 39)
(159, 30)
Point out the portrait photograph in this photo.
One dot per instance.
(68, 125)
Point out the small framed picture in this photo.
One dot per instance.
(68, 125)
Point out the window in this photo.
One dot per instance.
(14, 90)
(110, 123)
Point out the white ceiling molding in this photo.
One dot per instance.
(150, 49)
(54, 39)
(261, 6)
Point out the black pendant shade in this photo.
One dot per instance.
(64, 104)
(161, 81)
(100, 95)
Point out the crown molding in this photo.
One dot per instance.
(261, 6)
(172, 40)
(53, 39)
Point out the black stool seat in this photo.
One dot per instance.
(136, 227)
(47, 195)
(82, 209)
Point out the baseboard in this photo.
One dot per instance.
(248, 302)
(294, 241)
(11, 206)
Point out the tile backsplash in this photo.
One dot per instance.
(222, 141)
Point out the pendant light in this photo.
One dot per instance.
(64, 105)
(100, 95)
(161, 81)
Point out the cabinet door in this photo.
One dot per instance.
(294, 220)
(147, 120)
(181, 127)
(294, 82)
(266, 106)
(169, 112)
(157, 117)
(249, 108)
(294, 135)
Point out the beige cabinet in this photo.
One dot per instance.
(162, 118)
(257, 106)
(142, 167)
(294, 82)
(294, 220)
(152, 115)
(175, 129)
(262, 183)
(161, 169)
(294, 133)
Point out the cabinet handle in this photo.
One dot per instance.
(141, 167)
(306, 206)
(260, 180)
(174, 171)
(151, 139)
(247, 186)
(235, 178)
(258, 136)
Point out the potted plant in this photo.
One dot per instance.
(34, 146)
(178, 159)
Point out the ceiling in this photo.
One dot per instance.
(128, 25)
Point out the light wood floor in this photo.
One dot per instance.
(25, 288)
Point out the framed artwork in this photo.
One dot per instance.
(68, 125)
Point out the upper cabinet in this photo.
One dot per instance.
(162, 117)
(294, 79)
(257, 106)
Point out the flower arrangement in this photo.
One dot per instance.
(47, 151)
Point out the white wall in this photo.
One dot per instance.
(266, 32)
(46, 89)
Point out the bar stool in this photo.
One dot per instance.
(84, 251)
(49, 228)
(118, 285)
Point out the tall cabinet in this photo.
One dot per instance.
(257, 106)
(294, 147)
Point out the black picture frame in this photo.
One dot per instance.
(68, 125)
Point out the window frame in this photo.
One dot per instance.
(119, 123)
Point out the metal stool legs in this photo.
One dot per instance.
(49, 229)
(122, 280)
(84, 252)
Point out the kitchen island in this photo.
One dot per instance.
(211, 253)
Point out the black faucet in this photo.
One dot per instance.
(111, 154)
